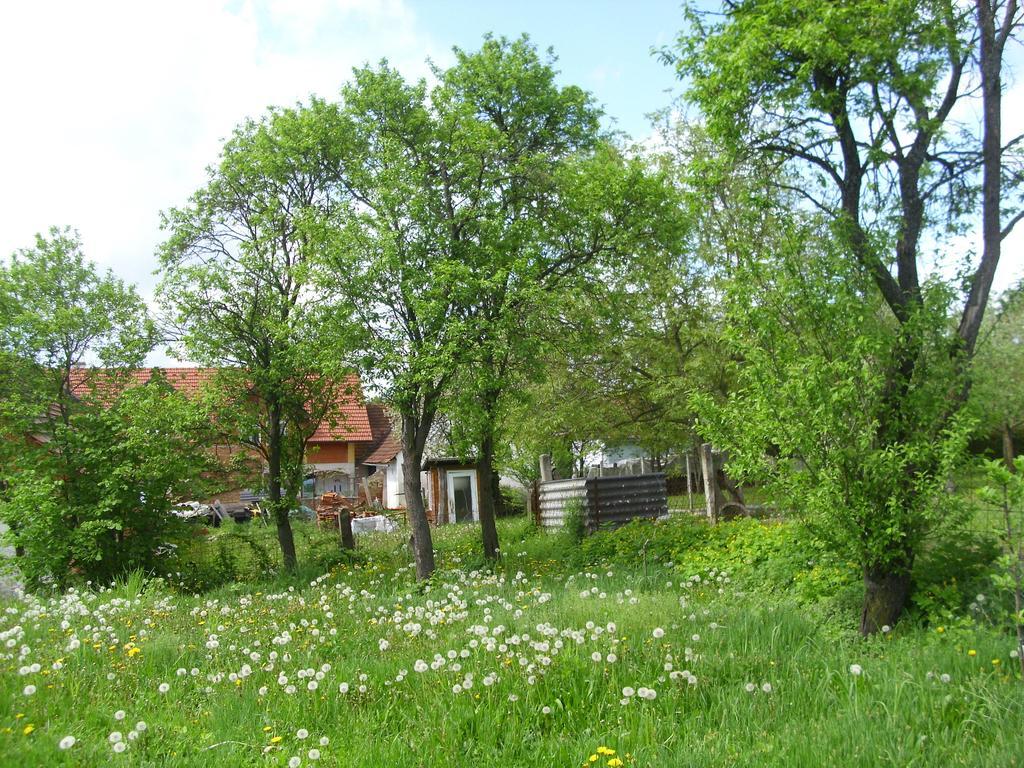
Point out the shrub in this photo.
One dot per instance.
(513, 502)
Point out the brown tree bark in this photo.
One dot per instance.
(1009, 450)
(277, 504)
(414, 438)
(993, 34)
(886, 591)
(485, 470)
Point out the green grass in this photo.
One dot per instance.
(719, 630)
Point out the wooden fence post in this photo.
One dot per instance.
(348, 541)
(707, 460)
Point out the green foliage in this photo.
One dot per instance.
(90, 468)
(97, 504)
(997, 394)
(1005, 493)
(207, 559)
(239, 267)
(634, 337)
(58, 313)
(513, 502)
(574, 522)
(812, 415)
(769, 558)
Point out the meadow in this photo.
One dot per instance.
(696, 649)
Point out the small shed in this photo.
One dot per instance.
(453, 490)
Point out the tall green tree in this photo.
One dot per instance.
(90, 466)
(855, 100)
(473, 200)
(238, 274)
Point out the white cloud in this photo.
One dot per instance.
(113, 110)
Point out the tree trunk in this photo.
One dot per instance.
(886, 591)
(992, 37)
(707, 463)
(485, 470)
(1009, 450)
(422, 543)
(277, 504)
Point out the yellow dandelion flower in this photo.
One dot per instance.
(615, 763)
(276, 740)
(28, 729)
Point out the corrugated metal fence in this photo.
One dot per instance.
(603, 500)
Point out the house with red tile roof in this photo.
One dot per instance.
(385, 456)
(336, 453)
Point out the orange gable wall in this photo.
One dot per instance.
(330, 453)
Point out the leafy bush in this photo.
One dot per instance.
(95, 503)
(575, 520)
(513, 502)
(772, 557)
(245, 554)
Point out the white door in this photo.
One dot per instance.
(463, 505)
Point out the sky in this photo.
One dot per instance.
(114, 109)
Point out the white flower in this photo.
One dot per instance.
(115, 737)
(420, 665)
(120, 714)
(314, 754)
(262, 691)
(855, 670)
(295, 762)
(886, 629)
(302, 733)
(67, 742)
(383, 644)
(29, 690)
(611, 658)
(596, 656)
(766, 687)
(324, 741)
(658, 633)
(343, 688)
(164, 687)
(120, 747)
(141, 726)
(133, 735)
(628, 692)
(750, 687)
(546, 710)
(944, 677)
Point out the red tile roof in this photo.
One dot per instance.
(349, 422)
(386, 441)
